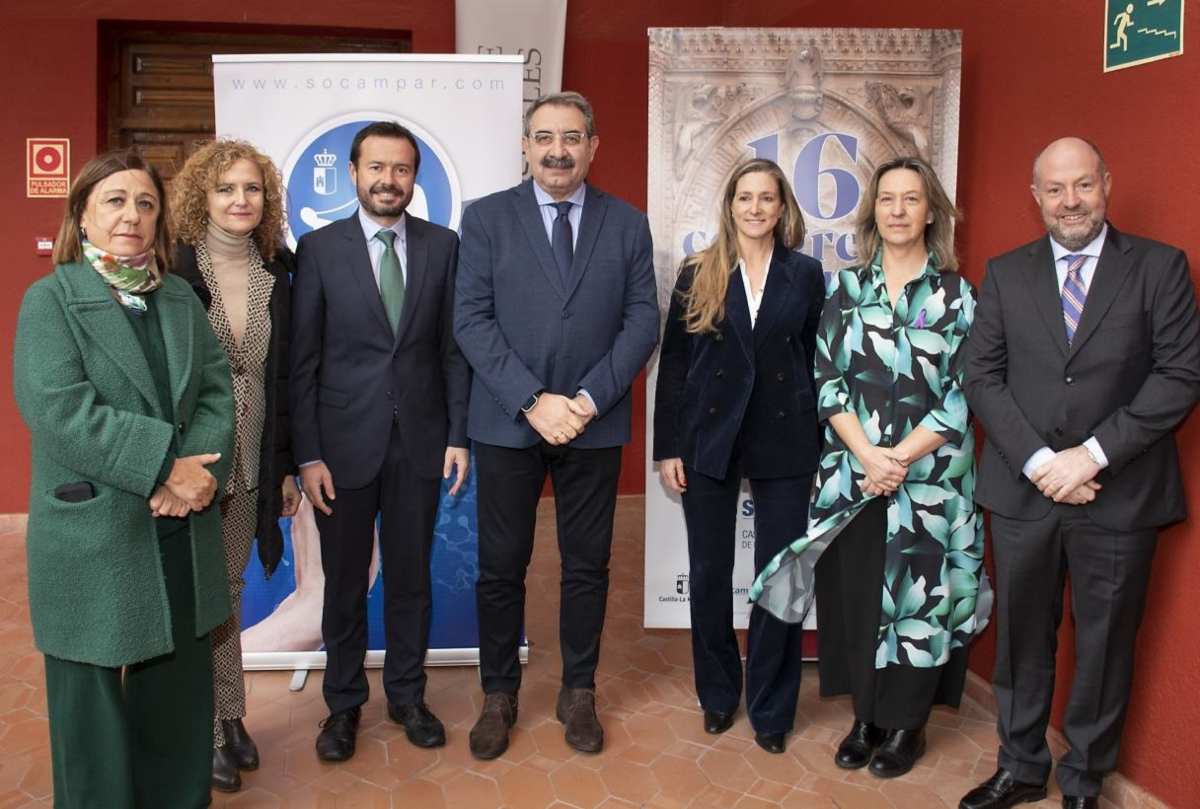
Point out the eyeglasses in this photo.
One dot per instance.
(571, 138)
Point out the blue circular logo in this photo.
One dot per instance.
(320, 191)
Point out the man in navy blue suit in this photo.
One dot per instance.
(378, 394)
(556, 311)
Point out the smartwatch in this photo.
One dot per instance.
(531, 402)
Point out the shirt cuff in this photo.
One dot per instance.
(1037, 459)
(310, 463)
(592, 402)
(1093, 447)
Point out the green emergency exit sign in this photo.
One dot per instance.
(1140, 31)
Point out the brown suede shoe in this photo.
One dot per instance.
(576, 709)
(489, 737)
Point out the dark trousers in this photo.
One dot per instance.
(1109, 573)
(142, 740)
(773, 647)
(585, 497)
(849, 590)
(409, 505)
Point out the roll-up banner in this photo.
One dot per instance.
(533, 29)
(828, 105)
(303, 112)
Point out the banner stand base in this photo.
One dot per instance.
(301, 663)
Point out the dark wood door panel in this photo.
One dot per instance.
(157, 92)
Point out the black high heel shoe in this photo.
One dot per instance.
(855, 750)
(225, 774)
(898, 753)
(239, 743)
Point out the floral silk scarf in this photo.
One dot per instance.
(131, 277)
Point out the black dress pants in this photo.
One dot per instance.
(773, 662)
(849, 590)
(407, 504)
(585, 497)
(1109, 573)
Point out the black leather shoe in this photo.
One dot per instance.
(338, 735)
(225, 775)
(1001, 791)
(420, 726)
(855, 750)
(717, 722)
(771, 742)
(243, 748)
(1080, 802)
(898, 753)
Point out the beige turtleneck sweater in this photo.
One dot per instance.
(241, 291)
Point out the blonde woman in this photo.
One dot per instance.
(735, 399)
(899, 587)
(228, 214)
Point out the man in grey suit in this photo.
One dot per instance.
(556, 311)
(1083, 359)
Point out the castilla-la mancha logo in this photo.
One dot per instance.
(320, 191)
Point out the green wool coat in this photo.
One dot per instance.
(83, 386)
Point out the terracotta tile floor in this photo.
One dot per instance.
(656, 755)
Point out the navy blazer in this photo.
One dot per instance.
(742, 390)
(523, 331)
(1129, 377)
(350, 376)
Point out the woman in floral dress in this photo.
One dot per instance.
(900, 586)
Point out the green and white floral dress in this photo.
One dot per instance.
(896, 368)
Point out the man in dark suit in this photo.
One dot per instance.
(378, 394)
(1084, 357)
(557, 313)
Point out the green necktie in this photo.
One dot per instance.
(391, 279)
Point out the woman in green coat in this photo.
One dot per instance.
(126, 393)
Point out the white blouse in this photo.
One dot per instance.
(754, 301)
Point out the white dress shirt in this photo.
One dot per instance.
(1092, 251)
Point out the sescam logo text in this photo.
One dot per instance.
(320, 191)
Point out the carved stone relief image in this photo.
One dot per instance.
(827, 104)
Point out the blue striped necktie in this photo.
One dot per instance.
(1074, 294)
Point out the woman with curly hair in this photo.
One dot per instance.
(228, 216)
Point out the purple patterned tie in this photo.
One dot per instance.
(1074, 294)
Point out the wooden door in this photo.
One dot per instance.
(157, 93)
